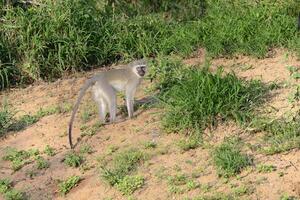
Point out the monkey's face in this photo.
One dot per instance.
(141, 70)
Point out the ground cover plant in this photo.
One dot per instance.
(119, 172)
(199, 99)
(229, 159)
(281, 134)
(41, 42)
(9, 193)
(68, 184)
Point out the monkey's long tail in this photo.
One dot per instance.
(84, 88)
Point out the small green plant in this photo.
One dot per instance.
(281, 135)
(150, 145)
(266, 168)
(50, 151)
(73, 160)
(192, 142)
(87, 113)
(191, 185)
(86, 148)
(67, 185)
(228, 158)
(9, 192)
(90, 131)
(129, 184)
(6, 118)
(112, 149)
(122, 165)
(243, 190)
(41, 163)
(5, 185)
(285, 196)
(17, 158)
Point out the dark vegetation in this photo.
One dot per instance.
(47, 38)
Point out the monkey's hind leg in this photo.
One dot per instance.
(113, 107)
(102, 107)
(101, 103)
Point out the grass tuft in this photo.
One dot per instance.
(129, 184)
(67, 185)
(228, 158)
(123, 163)
(73, 159)
(202, 99)
(9, 192)
(281, 135)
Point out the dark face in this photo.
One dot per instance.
(141, 70)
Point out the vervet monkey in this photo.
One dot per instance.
(105, 85)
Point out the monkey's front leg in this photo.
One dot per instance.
(130, 101)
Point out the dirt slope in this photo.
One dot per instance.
(167, 159)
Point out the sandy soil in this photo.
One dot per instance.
(167, 159)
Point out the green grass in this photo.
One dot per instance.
(266, 168)
(50, 151)
(123, 164)
(73, 159)
(17, 158)
(41, 163)
(86, 149)
(192, 142)
(281, 135)
(228, 158)
(150, 145)
(9, 193)
(6, 118)
(8, 121)
(129, 184)
(180, 183)
(199, 99)
(68, 184)
(46, 41)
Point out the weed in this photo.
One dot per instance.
(202, 99)
(228, 158)
(111, 149)
(150, 145)
(9, 192)
(123, 163)
(41, 163)
(90, 131)
(5, 185)
(129, 184)
(282, 135)
(266, 168)
(6, 118)
(285, 196)
(192, 142)
(73, 160)
(86, 148)
(50, 151)
(243, 190)
(67, 185)
(191, 185)
(87, 113)
(17, 158)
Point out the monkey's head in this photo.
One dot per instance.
(140, 67)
